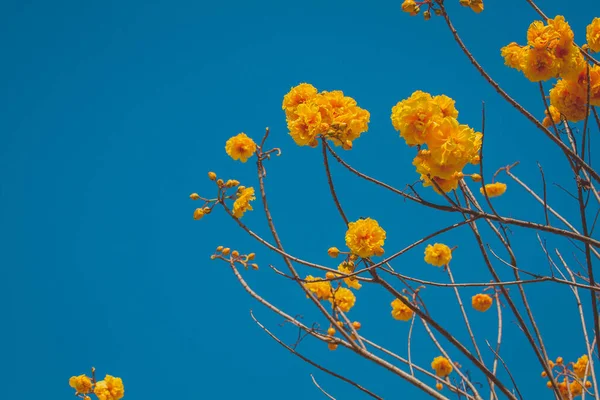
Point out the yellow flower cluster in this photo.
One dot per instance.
(572, 385)
(242, 203)
(481, 302)
(332, 115)
(593, 35)
(423, 119)
(365, 238)
(551, 53)
(401, 311)
(240, 147)
(441, 366)
(110, 388)
(438, 254)
(411, 7)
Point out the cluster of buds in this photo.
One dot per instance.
(208, 205)
(334, 252)
(413, 8)
(331, 331)
(225, 253)
(573, 375)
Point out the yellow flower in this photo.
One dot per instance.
(110, 388)
(442, 366)
(82, 384)
(540, 35)
(570, 99)
(307, 125)
(574, 388)
(401, 311)
(452, 146)
(438, 255)
(554, 116)
(446, 185)
(344, 299)
(348, 268)
(297, 95)
(409, 6)
(476, 5)
(415, 117)
(594, 85)
(513, 55)
(240, 147)
(593, 35)
(242, 203)
(539, 64)
(320, 288)
(481, 302)
(494, 189)
(447, 105)
(343, 120)
(364, 237)
(580, 367)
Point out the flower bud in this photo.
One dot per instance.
(379, 251)
(332, 346)
(235, 253)
(439, 386)
(465, 3)
(427, 15)
(254, 266)
(544, 374)
(588, 384)
(438, 11)
(331, 331)
(231, 183)
(194, 196)
(347, 145)
(220, 182)
(333, 252)
(207, 210)
(356, 325)
(198, 213)
(251, 256)
(409, 6)
(220, 248)
(329, 275)
(212, 176)
(559, 361)
(476, 177)
(226, 251)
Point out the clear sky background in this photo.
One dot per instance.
(113, 112)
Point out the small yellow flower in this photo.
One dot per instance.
(348, 268)
(580, 367)
(344, 299)
(364, 237)
(570, 99)
(494, 189)
(242, 203)
(481, 302)
(240, 147)
(82, 384)
(593, 35)
(477, 6)
(198, 213)
(110, 388)
(513, 55)
(442, 366)
(438, 255)
(401, 311)
(553, 117)
(320, 288)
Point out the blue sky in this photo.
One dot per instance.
(113, 112)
